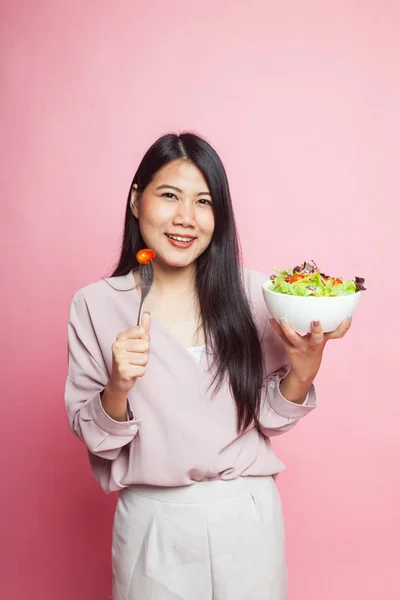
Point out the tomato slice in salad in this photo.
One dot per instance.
(145, 256)
(335, 282)
(296, 277)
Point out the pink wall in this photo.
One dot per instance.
(302, 101)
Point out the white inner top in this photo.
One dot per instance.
(196, 352)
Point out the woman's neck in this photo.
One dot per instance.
(174, 282)
(174, 303)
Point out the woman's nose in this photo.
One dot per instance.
(185, 214)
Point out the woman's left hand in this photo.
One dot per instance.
(305, 351)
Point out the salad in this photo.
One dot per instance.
(307, 280)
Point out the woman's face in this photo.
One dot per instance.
(175, 213)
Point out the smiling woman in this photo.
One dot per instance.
(181, 426)
(179, 205)
(177, 214)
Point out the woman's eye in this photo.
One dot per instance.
(205, 201)
(169, 195)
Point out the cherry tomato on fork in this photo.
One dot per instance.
(145, 256)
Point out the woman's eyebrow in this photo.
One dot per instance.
(166, 186)
(170, 187)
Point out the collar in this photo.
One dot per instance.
(122, 283)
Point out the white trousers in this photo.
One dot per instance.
(217, 540)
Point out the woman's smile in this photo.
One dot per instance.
(176, 215)
(181, 241)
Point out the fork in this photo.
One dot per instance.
(146, 281)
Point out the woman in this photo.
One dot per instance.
(182, 425)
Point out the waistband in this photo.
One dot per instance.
(202, 492)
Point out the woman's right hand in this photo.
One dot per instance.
(130, 355)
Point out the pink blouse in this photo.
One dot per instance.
(178, 431)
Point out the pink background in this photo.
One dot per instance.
(301, 99)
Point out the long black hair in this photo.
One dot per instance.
(229, 329)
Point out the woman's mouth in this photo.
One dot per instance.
(180, 241)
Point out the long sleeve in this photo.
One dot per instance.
(277, 414)
(87, 377)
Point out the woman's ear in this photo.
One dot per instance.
(134, 201)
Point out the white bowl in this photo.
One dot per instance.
(300, 311)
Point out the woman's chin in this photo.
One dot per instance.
(175, 262)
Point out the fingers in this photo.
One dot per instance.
(130, 354)
(286, 333)
(126, 371)
(130, 358)
(146, 321)
(131, 345)
(277, 329)
(340, 331)
(140, 359)
(317, 334)
(316, 337)
(135, 333)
